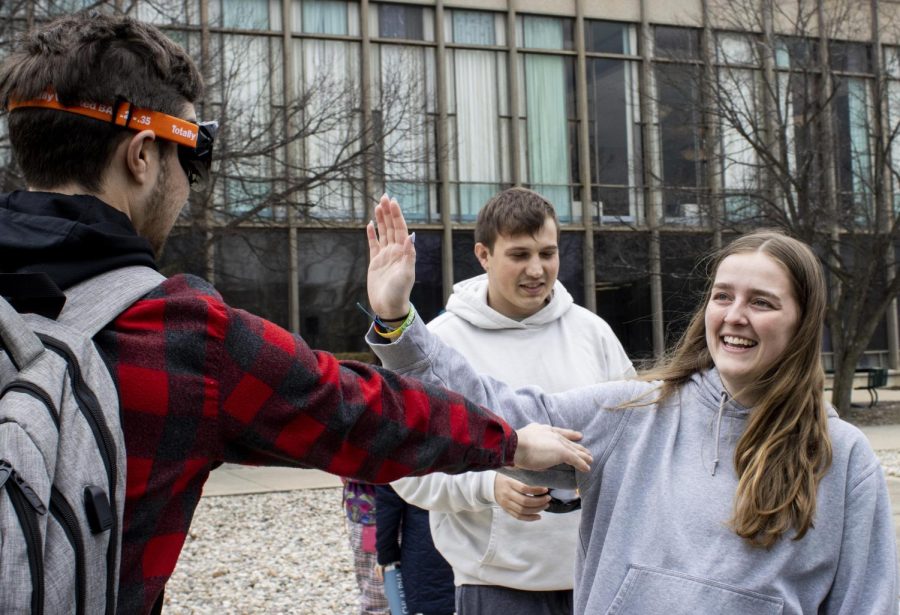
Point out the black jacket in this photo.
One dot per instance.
(71, 238)
(402, 534)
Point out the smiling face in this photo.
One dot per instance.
(751, 317)
(522, 270)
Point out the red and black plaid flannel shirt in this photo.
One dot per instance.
(201, 383)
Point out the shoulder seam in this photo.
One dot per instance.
(863, 476)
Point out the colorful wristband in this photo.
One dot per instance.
(395, 333)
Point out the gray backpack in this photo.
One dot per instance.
(62, 457)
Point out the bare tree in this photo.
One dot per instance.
(293, 142)
(806, 141)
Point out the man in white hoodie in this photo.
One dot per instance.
(516, 323)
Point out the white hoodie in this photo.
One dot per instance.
(560, 347)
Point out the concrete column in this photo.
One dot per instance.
(289, 92)
(883, 177)
(365, 84)
(443, 154)
(513, 81)
(715, 210)
(205, 70)
(771, 106)
(584, 167)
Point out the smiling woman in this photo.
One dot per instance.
(723, 483)
(751, 317)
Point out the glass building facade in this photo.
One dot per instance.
(601, 107)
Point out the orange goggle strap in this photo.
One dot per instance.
(165, 126)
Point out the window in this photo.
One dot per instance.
(168, 12)
(245, 14)
(332, 279)
(892, 66)
(680, 145)
(400, 21)
(252, 272)
(249, 87)
(797, 53)
(330, 120)
(614, 135)
(535, 32)
(850, 57)
(324, 17)
(480, 124)
(550, 108)
(607, 37)
(403, 112)
(474, 28)
(736, 50)
(852, 108)
(676, 43)
(738, 124)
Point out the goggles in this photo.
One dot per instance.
(194, 140)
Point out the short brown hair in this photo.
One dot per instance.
(515, 211)
(88, 57)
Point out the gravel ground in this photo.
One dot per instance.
(891, 462)
(270, 553)
(287, 552)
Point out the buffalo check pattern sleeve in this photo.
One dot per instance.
(201, 383)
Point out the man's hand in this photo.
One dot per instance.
(542, 447)
(392, 262)
(522, 501)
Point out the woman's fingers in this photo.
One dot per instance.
(374, 246)
(569, 434)
(381, 224)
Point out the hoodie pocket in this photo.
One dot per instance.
(654, 591)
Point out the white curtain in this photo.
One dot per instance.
(740, 164)
(406, 149)
(245, 14)
(330, 76)
(325, 16)
(478, 130)
(247, 83)
(545, 95)
(473, 28)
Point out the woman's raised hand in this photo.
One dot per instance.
(392, 261)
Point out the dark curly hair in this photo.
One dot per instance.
(88, 57)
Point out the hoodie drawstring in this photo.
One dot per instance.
(718, 427)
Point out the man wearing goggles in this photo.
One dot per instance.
(100, 109)
(194, 139)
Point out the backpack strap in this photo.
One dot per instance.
(94, 303)
(19, 340)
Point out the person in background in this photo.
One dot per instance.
(724, 482)
(358, 500)
(403, 538)
(518, 323)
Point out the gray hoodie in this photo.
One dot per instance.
(654, 537)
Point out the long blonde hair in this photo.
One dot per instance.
(785, 450)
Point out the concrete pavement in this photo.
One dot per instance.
(232, 479)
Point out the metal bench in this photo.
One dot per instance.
(876, 377)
